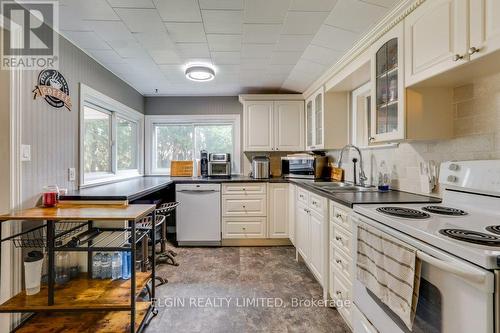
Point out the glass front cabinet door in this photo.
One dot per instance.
(315, 136)
(388, 106)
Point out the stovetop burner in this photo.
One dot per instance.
(471, 236)
(404, 212)
(442, 210)
(494, 229)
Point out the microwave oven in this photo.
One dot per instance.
(219, 165)
(304, 166)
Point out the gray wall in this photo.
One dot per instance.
(192, 105)
(53, 133)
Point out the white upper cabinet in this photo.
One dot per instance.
(258, 120)
(315, 121)
(272, 125)
(484, 27)
(435, 38)
(289, 125)
(444, 34)
(388, 93)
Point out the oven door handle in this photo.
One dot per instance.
(453, 267)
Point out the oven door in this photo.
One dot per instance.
(219, 169)
(300, 168)
(454, 297)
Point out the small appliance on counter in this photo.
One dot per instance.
(309, 166)
(219, 165)
(260, 167)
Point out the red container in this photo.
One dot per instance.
(49, 199)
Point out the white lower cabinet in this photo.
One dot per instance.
(244, 210)
(292, 190)
(311, 234)
(278, 210)
(341, 266)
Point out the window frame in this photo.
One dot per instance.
(92, 98)
(193, 120)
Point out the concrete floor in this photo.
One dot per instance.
(213, 289)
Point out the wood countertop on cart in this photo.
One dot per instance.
(81, 212)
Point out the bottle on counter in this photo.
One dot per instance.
(116, 266)
(125, 265)
(96, 266)
(384, 181)
(61, 265)
(106, 266)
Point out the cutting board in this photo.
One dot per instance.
(181, 168)
(337, 174)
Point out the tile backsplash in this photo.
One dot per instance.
(476, 137)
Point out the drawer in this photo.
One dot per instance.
(342, 290)
(244, 205)
(342, 264)
(244, 227)
(317, 203)
(303, 196)
(342, 239)
(340, 216)
(244, 188)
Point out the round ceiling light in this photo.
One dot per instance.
(200, 73)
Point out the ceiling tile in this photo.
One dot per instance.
(280, 69)
(179, 10)
(87, 40)
(165, 57)
(193, 50)
(128, 49)
(226, 58)
(132, 3)
(188, 32)
(156, 41)
(321, 55)
(293, 42)
(228, 68)
(222, 21)
(72, 20)
(257, 50)
(303, 23)
(312, 68)
(112, 30)
(219, 42)
(355, 15)
(313, 5)
(221, 4)
(141, 20)
(261, 33)
(286, 57)
(94, 10)
(335, 38)
(266, 11)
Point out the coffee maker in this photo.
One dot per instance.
(204, 163)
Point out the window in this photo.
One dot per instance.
(182, 138)
(111, 139)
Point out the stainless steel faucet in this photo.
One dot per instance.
(362, 176)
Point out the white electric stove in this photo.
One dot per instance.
(459, 245)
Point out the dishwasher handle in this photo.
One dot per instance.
(196, 191)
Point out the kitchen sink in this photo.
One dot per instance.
(336, 187)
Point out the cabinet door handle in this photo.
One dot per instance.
(338, 293)
(371, 139)
(473, 50)
(457, 57)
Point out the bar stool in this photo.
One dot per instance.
(166, 255)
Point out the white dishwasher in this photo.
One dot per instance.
(198, 214)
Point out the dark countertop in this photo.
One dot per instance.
(136, 188)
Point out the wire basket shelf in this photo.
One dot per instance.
(166, 208)
(37, 237)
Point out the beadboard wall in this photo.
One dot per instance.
(476, 137)
(53, 133)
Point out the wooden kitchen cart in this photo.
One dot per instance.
(84, 304)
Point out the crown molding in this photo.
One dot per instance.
(395, 16)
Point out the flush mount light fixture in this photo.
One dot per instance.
(200, 73)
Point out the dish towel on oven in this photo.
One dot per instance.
(390, 269)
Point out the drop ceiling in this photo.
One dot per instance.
(254, 45)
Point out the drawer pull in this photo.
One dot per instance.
(244, 189)
(339, 293)
(338, 215)
(338, 261)
(338, 238)
(314, 203)
(243, 228)
(244, 206)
